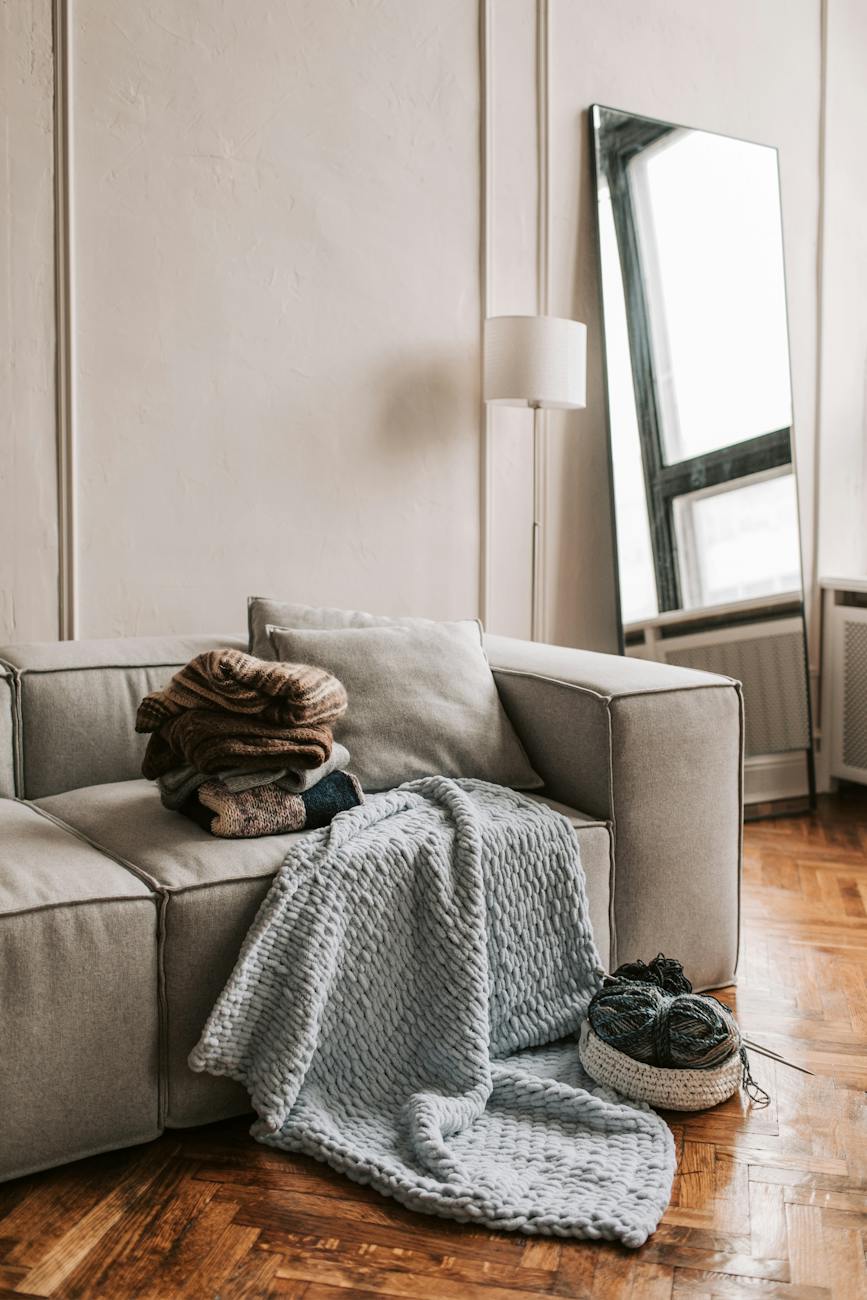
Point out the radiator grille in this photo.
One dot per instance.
(855, 695)
(772, 669)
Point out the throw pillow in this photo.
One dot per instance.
(422, 702)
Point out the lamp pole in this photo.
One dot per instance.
(535, 590)
(540, 362)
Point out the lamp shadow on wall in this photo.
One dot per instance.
(582, 603)
(426, 405)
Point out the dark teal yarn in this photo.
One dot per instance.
(678, 1031)
(650, 1013)
(664, 972)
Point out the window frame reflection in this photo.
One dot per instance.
(619, 139)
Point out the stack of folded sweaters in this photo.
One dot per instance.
(244, 746)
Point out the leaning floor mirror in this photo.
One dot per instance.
(700, 424)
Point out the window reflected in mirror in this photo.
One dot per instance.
(697, 359)
(738, 542)
(708, 224)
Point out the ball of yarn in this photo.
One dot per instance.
(665, 972)
(683, 1030)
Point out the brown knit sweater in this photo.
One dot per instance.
(292, 694)
(226, 709)
(213, 742)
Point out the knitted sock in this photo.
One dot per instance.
(270, 810)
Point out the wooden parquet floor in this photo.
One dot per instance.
(766, 1202)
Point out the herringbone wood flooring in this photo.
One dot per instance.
(766, 1202)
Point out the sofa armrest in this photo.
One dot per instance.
(657, 751)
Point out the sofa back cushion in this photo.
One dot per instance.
(263, 611)
(7, 744)
(76, 706)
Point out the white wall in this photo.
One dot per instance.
(278, 307)
(281, 269)
(842, 549)
(28, 500)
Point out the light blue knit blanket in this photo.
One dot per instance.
(396, 1009)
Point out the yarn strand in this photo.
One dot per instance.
(754, 1091)
(665, 972)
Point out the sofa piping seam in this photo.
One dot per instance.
(79, 668)
(93, 668)
(741, 793)
(162, 1013)
(17, 735)
(597, 823)
(153, 885)
(250, 600)
(725, 683)
(614, 955)
(211, 884)
(76, 902)
(9, 677)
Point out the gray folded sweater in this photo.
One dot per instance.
(177, 785)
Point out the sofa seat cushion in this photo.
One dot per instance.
(214, 888)
(597, 858)
(171, 851)
(79, 1021)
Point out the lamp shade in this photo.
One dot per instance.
(536, 361)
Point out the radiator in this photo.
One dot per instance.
(769, 659)
(848, 661)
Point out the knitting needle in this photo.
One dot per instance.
(774, 1056)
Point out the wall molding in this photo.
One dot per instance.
(486, 238)
(813, 597)
(535, 102)
(543, 299)
(64, 326)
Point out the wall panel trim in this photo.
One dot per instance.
(486, 198)
(814, 595)
(64, 301)
(528, 290)
(543, 307)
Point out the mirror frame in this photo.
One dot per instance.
(658, 127)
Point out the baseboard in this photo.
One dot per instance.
(768, 777)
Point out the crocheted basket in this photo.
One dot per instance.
(669, 1089)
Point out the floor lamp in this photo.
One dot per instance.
(540, 362)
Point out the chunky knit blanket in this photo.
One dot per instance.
(405, 1009)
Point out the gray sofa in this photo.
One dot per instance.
(120, 921)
